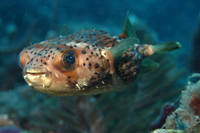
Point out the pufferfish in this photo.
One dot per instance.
(88, 62)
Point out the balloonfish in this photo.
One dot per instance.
(88, 62)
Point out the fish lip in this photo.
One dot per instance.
(37, 76)
(36, 71)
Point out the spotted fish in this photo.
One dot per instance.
(88, 62)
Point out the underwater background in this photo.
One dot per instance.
(134, 110)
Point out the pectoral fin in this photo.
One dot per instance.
(148, 65)
(122, 46)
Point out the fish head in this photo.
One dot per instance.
(64, 69)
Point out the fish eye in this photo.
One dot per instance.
(69, 60)
(18, 59)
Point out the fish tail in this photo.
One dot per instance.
(160, 48)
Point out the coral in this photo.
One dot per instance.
(168, 131)
(166, 110)
(195, 105)
(187, 117)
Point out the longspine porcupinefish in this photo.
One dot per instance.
(87, 62)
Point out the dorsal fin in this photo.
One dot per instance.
(64, 30)
(128, 30)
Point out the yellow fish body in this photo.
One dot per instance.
(86, 62)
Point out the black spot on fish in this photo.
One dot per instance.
(46, 52)
(87, 59)
(93, 78)
(36, 59)
(35, 53)
(83, 64)
(104, 53)
(51, 51)
(71, 46)
(107, 60)
(83, 51)
(49, 55)
(41, 60)
(32, 59)
(40, 65)
(52, 57)
(91, 52)
(31, 52)
(90, 64)
(75, 46)
(45, 63)
(26, 51)
(96, 66)
(69, 77)
(96, 73)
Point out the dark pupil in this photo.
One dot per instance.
(69, 58)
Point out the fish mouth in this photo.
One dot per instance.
(37, 76)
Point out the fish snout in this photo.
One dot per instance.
(35, 70)
(37, 76)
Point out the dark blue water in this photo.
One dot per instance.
(156, 21)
